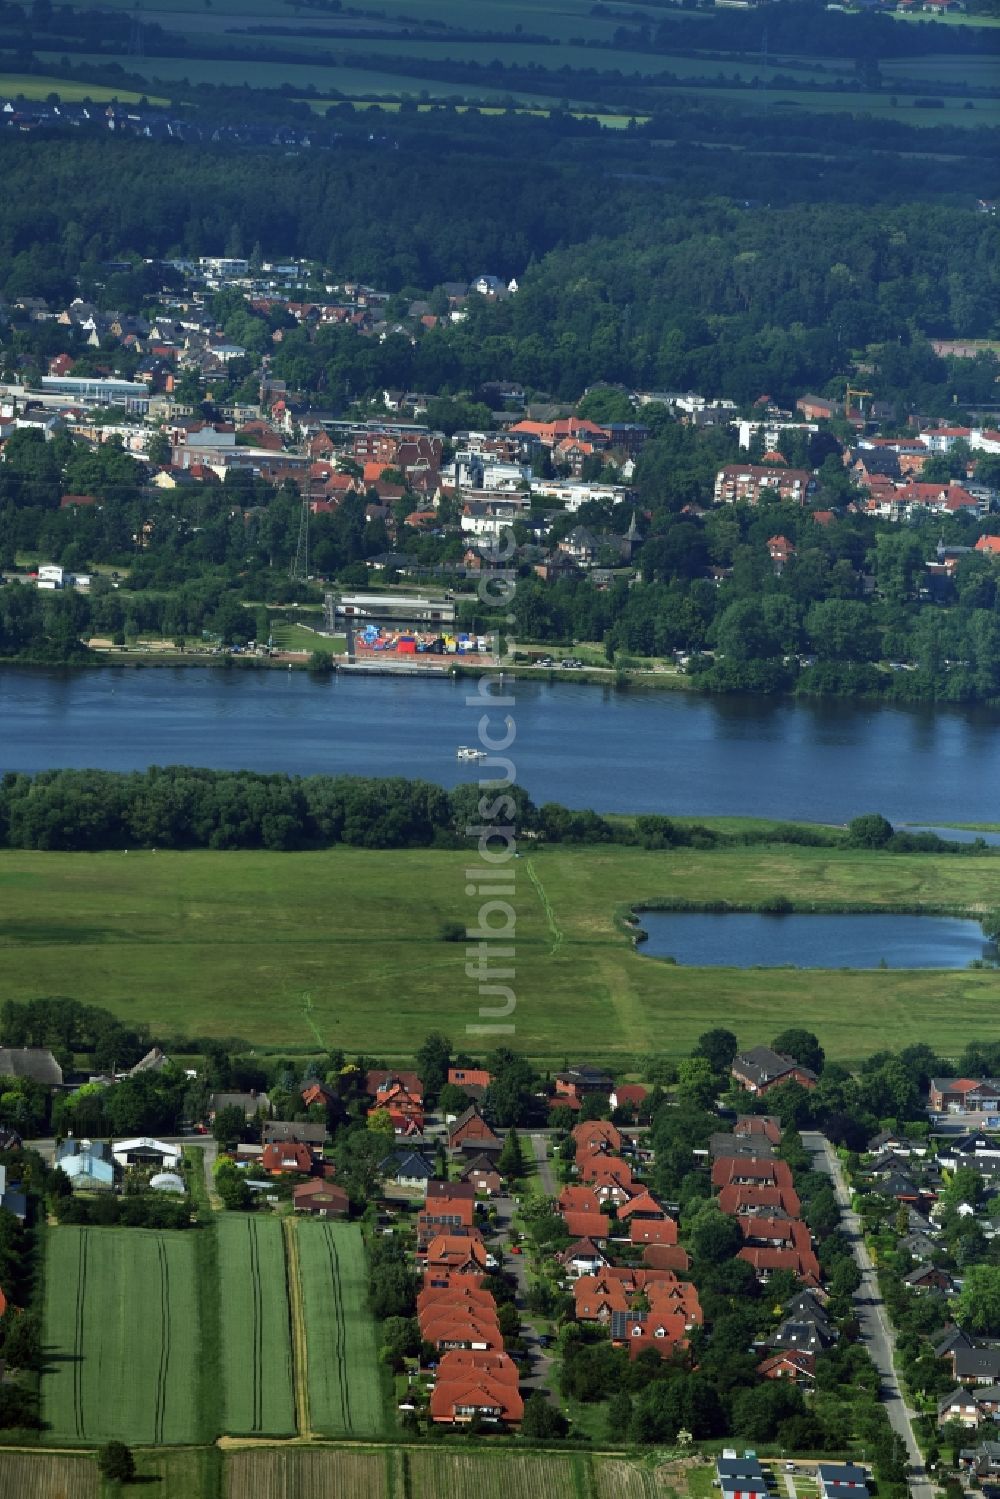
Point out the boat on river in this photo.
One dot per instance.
(465, 753)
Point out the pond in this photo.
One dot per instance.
(799, 940)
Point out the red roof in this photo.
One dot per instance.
(729, 1170)
(605, 1169)
(456, 1251)
(290, 1155)
(666, 1257)
(591, 1132)
(745, 1199)
(630, 1093)
(643, 1203)
(469, 1077)
(319, 1195)
(653, 1231)
(462, 1209)
(381, 1081)
(989, 544)
(578, 1200)
(803, 1265)
(587, 1225)
(488, 1388)
(789, 1364)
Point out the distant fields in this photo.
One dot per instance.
(344, 1394)
(256, 1342)
(31, 86)
(344, 948)
(121, 1337)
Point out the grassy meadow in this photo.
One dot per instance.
(345, 1399)
(121, 1337)
(258, 1397)
(345, 947)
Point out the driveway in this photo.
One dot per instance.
(539, 1375)
(876, 1329)
(539, 1144)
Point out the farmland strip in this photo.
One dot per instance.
(341, 1330)
(81, 1302)
(297, 1325)
(257, 1341)
(159, 1409)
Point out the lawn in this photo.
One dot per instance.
(344, 1394)
(121, 1337)
(344, 948)
(258, 1397)
(295, 637)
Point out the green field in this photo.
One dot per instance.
(273, 73)
(344, 948)
(31, 86)
(344, 1395)
(178, 1473)
(256, 1341)
(121, 1337)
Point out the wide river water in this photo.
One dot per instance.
(586, 746)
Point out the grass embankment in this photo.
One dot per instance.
(344, 948)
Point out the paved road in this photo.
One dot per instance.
(539, 1144)
(876, 1329)
(537, 1375)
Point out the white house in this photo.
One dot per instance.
(144, 1151)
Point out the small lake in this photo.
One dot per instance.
(698, 939)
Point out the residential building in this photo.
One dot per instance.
(321, 1199)
(744, 483)
(146, 1152)
(760, 1069)
(476, 1385)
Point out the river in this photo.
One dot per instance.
(586, 746)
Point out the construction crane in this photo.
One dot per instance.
(848, 393)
